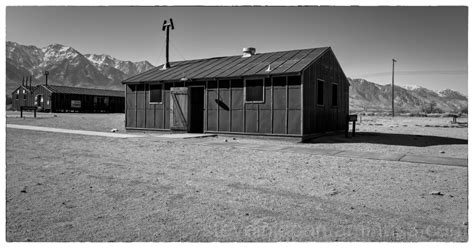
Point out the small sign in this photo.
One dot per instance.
(352, 117)
(75, 104)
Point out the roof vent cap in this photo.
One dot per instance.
(248, 51)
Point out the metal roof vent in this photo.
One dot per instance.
(248, 51)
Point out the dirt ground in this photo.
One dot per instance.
(65, 187)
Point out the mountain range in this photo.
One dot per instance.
(67, 66)
(365, 95)
(70, 67)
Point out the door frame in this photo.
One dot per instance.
(189, 105)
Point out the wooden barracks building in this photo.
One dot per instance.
(55, 98)
(298, 93)
(22, 96)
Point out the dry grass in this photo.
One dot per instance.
(79, 121)
(79, 188)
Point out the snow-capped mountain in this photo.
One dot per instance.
(410, 87)
(368, 95)
(67, 66)
(451, 94)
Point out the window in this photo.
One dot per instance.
(24, 97)
(320, 92)
(100, 102)
(16, 96)
(254, 91)
(156, 95)
(334, 95)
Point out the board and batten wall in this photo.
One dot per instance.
(21, 97)
(41, 90)
(320, 118)
(279, 113)
(225, 110)
(140, 114)
(61, 102)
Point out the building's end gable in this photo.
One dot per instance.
(21, 87)
(331, 53)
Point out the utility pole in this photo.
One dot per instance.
(167, 27)
(393, 87)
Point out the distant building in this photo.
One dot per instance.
(298, 93)
(55, 98)
(21, 96)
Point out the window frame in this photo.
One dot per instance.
(317, 92)
(263, 90)
(161, 91)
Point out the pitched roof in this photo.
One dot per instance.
(28, 88)
(83, 91)
(233, 66)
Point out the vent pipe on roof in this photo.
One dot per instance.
(23, 81)
(269, 69)
(31, 78)
(248, 51)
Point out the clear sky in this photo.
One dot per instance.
(430, 43)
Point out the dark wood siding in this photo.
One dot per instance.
(325, 117)
(278, 114)
(21, 97)
(46, 104)
(88, 104)
(225, 110)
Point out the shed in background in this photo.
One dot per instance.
(21, 96)
(58, 98)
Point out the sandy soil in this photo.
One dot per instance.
(66, 187)
(407, 135)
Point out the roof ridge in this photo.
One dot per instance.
(66, 86)
(226, 56)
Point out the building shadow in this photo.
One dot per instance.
(222, 104)
(389, 139)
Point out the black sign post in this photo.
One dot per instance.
(350, 118)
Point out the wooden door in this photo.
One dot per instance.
(179, 108)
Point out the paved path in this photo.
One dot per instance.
(185, 135)
(114, 135)
(460, 162)
(423, 159)
(71, 131)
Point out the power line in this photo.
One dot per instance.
(161, 53)
(176, 49)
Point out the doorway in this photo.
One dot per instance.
(39, 101)
(196, 110)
